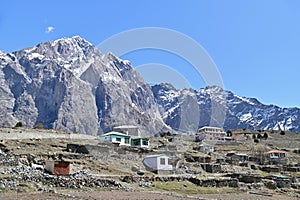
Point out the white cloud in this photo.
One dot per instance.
(49, 29)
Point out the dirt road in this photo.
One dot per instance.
(122, 195)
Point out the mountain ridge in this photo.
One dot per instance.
(241, 112)
(69, 84)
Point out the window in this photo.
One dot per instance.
(145, 142)
(136, 142)
(162, 161)
(170, 161)
(126, 140)
(118, 139)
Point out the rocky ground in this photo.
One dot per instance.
(113, 175)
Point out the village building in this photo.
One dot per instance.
(58, 167)
(140, 142)
(160, 163)
(208, 133)
(237, 158)
(197, 157)
(128, 130)
(206, 148)
(276, 157)
(115, 138)
(211, 168)
(126, 135)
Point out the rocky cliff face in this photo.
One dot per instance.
(187, 109)
(69, 84)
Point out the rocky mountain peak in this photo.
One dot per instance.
(164, 87)
(61, 50)
(76, 44)
(212, 89)
(69, 84)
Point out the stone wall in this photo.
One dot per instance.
(217, 182)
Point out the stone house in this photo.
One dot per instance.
(237, 158)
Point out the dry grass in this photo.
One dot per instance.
(226, 148)
(186, 187)
(262, 173)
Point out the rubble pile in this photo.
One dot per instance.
(136, 179)
(7, 159)
(24, 174)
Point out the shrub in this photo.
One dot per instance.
(282, 132)
(19, 124)
(164, 134)
(256, 140)
(265, 136)
(254, 136)
(259, 136)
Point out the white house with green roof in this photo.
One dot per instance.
(116, 138)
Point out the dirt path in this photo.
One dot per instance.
(122, 195)
(23, 133)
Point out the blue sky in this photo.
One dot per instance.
(255, 44)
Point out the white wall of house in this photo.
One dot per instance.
(115, 138)
(159, 162)
(277, 155)
(140, 142)
(146, 145)
(212, 133)
(163, 163)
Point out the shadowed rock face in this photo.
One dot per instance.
(69, 84)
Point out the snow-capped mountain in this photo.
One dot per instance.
(187, 109)
(69, 84)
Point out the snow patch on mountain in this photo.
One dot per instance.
(35, 55)
(241, 112)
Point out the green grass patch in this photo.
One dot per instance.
(186, 187)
